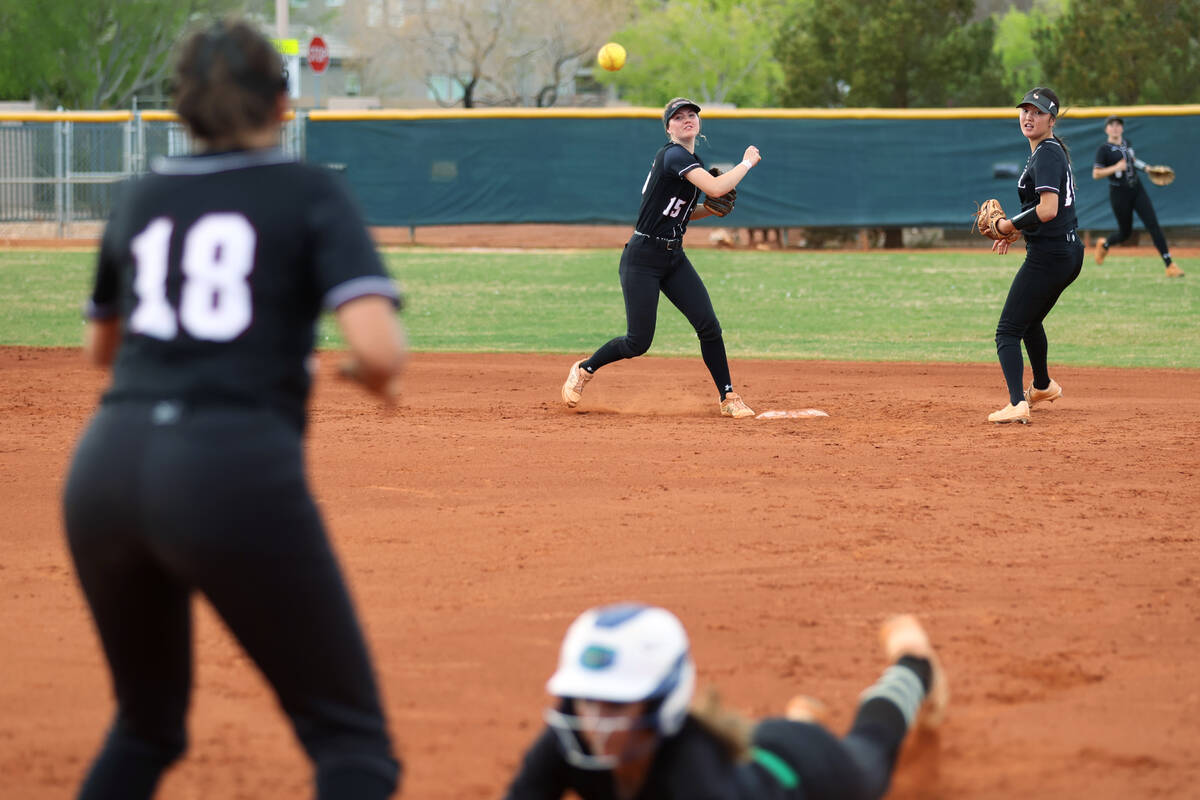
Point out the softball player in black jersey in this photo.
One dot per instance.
(1116, 161)
(1053, 257)
(654, 261)
(190, 476)
(622, 730)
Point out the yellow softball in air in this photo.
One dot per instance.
(611, 57)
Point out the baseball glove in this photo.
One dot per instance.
(720, 206)
(1160, 175)
(988, 216)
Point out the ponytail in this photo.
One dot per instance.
(1053, 95)
(732, 730)
(1066, 150)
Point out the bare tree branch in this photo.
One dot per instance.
(498, 52)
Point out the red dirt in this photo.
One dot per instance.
(87, 235)
(1054, 564)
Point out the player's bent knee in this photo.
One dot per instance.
(1008, 334)
(632, 348)
(709, 331)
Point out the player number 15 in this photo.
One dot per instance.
(674, 206)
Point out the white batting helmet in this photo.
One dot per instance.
(626, 653)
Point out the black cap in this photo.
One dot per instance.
(1040, 101)
(675, 105)
(1114, 118)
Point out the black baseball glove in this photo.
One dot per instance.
(720, 206)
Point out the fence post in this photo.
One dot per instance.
(139, 164)
(294, 133)
(68, 174)
(59, 178)
(127, 146)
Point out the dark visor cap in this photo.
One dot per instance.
(1040, 101)
(675, 105)
(1114, 118)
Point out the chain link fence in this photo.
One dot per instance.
(60, 169)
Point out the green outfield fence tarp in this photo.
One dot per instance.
(854, 168)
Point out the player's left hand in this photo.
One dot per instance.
(987, 220)
(722, 205)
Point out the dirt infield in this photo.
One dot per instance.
(1054, 563)
(86, 235)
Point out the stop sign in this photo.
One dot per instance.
(318, 54)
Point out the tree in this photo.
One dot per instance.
(487, 52)
(713, 51)
(462, 47)
(1103, 52)
(22, 61)
(94, 53)
(1016, 47)
(566, 39)
(888, 53)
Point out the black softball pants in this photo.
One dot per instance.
(647, 268)
(163, 500)
(1049, 268)
(1125, 201)
(857, 766)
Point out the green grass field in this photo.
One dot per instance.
(874, 306)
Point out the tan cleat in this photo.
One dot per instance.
(1011, 413)
(1174, 271)
(902, 635)
(1101, 251)
(1033, 395)
(577, 378)
(734, 406)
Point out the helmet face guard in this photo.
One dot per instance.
(622, 654)
(568, 727)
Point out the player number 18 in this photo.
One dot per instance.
(214, 302)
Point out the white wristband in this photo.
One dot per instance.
(746, 163)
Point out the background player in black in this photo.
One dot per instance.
(1116, 161)
(190, 477)
(654, 261)
(622, 729)
(1053, 256)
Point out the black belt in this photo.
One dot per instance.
(666, 244)
(1070, 236)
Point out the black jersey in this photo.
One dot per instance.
(1048, 170)
(1108, 154)
(218, 266)
(667, 196)
(691, 765)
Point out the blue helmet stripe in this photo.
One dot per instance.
(671, 680)
(618, 614)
